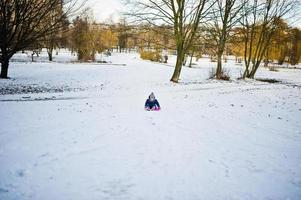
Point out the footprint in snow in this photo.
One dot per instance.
(2, 190)
(20, 173)
(211, 161)
(297, 182)
(44, 155)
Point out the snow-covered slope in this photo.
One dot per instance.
(83, 133)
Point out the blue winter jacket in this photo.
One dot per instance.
(152, 104)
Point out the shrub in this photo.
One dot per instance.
(151, 55)
(224, 76)
(273, 69)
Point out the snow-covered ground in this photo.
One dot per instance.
(79, 131)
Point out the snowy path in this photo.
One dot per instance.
(212, 140)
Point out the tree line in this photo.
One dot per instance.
(216, 23)
(25, 23)
(254, 31)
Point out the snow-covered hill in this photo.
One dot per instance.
(79, 131)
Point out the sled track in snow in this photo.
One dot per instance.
(258, 85)
(42, 99)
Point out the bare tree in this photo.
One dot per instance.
(260, 20)
(22, 22)
(154, 37)
(295, 51)
(225, 15)
(123, 30)
(56, 38)
(183, 15)
(86, 37)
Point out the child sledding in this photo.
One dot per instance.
(152, 103)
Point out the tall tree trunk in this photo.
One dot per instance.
(254, 69)
(32, 54)
(180, 59)
(192, 54)
(248, 48)
(50, 56)
(50, 51)
(219, 66)
(246, 73)
(251, 74)
(4, 67)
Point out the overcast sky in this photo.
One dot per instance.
(105, 9)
